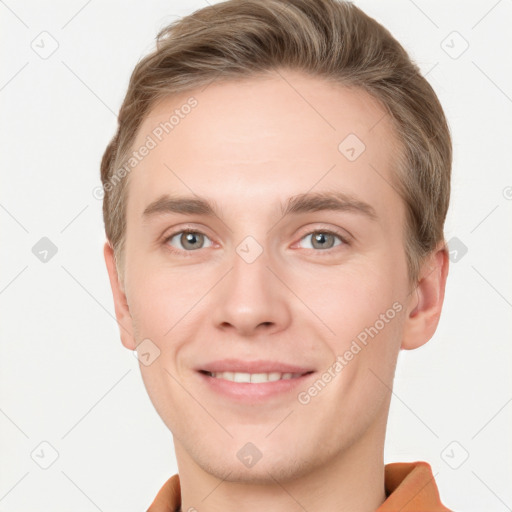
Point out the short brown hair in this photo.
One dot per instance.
(330, 39)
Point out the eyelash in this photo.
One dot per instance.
(185, 253)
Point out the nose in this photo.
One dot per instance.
(251, 299)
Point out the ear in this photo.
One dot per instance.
(424, 310)
(122, 310)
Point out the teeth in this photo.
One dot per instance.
(254, 377)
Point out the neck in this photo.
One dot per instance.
(352, 480)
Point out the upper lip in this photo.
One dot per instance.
(259, 366)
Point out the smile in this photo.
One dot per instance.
(253, 378)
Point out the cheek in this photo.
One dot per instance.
(354, 298)
(162, 299)
(363, 309)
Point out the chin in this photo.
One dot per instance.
(269, 468)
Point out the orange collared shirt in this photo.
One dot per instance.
(410, 487)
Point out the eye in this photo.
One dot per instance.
(189, 240)
(324, 239)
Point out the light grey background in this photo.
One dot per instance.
(65, 378)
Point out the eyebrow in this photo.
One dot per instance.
(301, 203)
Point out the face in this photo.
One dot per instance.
(264, 239)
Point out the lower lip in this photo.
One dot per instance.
(255, 392)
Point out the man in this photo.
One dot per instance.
(275, 197)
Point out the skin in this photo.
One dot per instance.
(248, 146)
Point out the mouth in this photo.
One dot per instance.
(253, 382)
(254, 378)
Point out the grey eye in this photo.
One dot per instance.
(189, 240)
(322, 240)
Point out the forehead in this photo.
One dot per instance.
(269, 136)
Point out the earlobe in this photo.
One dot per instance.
(424, 311)
(122, 310)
